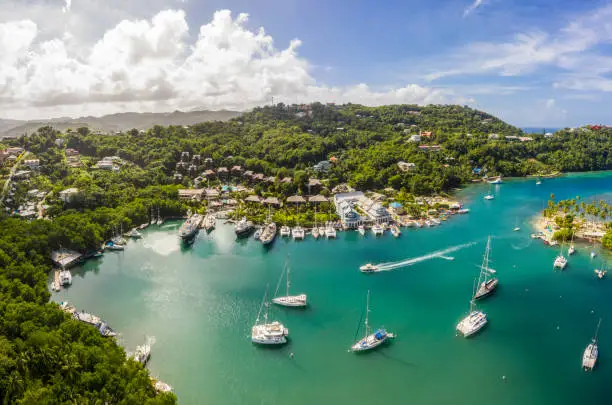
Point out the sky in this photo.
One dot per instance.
(530, 62)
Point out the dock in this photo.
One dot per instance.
(56, 280)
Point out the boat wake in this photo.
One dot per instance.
(437, 254)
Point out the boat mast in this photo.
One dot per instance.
(484, 268)
(263, 303)
(288, 270)
(367, 326)
(597, 331)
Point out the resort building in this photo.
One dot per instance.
(68, 194)
(414, 138)
(405, 166)
(190, 194)
(346, 204)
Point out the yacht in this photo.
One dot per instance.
(264, 333)
(593, 254)
(495, 180)
(190, 227)
(257, 234)
(160, 220)
(243, 227)
(369, 268)
(106, 330)
(395, 231)
(571, 250)
(486, 282)
(315, 232)
(377, 229)
(560, 261)
(321, 231)
(161, 386)
(285, 231)
(589, 357)
(209, 222)
(361, 230)
(370, 340)
(472, 323)
(288, 300)
(134, 234)
(142, 354)
(65, 277)
(330, 231)
(112, 246)
(600, 273)
(268, 234)
(297, 233)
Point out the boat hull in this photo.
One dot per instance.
(472, 324)
(369, 342)
(295, 301)
(486, 290)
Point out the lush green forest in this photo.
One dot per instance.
(47, 358)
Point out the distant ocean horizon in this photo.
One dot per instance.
(539, 130)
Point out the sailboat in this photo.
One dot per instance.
(472, 323)
(297, 233)
(560, 261)
(516, 227)
(490, 195)
(601, 273)
(265, 333)
(361, 230)
(486, 282)
(288, 300)
(153, 220)
(315, 230)
(370, 340)
(571, 249)
(589, 357)
(160, 221)
(539, 181)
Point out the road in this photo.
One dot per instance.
(10, 176)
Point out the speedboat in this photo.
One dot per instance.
(560, 262)
(377, 229)
(257, 234)
(472, 323)
(368, 268)
(142, 354)
(65, 277)
(285, 231)
(361, 230)
(297, 233)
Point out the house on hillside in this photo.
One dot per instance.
(406, 166)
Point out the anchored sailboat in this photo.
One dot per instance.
(486, 282)
(490, 195)
(472, 323)
(589, 358)
(288, 300)
(265, 333)
(370, 340)
(560, 261)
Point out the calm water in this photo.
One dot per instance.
(200, 303)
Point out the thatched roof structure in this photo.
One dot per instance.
(271, 201)
(253, 198)
(297, 199)
(318, 199)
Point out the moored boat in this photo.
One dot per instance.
(377, 229)
(243, 227)
(370, 340)
(134, 234)
(589, 357)
(86, 318)
(65, 277)
(264, 333)
(297, 233)
(288, 300)
(330, 231)
(268, 234)
(142, 354)
(190, 227)
(106, 330)
(209, 222)
(285, 231)
(486, 282)
(361, 230)
(395, 231)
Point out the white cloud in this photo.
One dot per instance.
(67, 5)
(526, 52)
(153, 65)
(472, 7)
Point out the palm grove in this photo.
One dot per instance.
(47, 358)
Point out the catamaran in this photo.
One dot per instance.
(330, 231)
(377, 229)
(571, 249)
(288, 300)
(589, 358)
(297, 233)
(370, 340)
(472, 323)
(265, 333)
(560, 261)
(65, 277)
(285, 231)
(486, 282)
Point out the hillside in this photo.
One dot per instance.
(115, 122)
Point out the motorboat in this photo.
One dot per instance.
(593, 254)
(67, 307)
(495, 180)
(486, 282)
(243, 227)
(361, 230)
(285, 231)
(377, 229)
(161, 386)
(85, 317)
(369, 268)
(209, 222)
(134, 234)
(600, 273)
(395, 231)
(112, 246)
(65, 277)
(258, 233)
(489, 197)
(268, 234)
(106, 330)
(370, 340)
(142, 354)
(297, 233)
(190, 227)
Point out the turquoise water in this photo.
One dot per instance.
(199, 304)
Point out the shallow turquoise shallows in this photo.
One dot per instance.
(199, 304)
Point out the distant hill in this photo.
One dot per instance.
(116, 122)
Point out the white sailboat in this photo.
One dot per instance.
(490, 195)
(370, 340)
(560, 261)
(486, 282)
(589, 357)
(516, 226)
(330, 231)
(472, 323)
(315, 230)
(361, 230)
(160, 221)
(571, 250)
(285, 231)
(377, 229)
(288, 300)
(264, 333)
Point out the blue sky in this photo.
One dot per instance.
(533, 63)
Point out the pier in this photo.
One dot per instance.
(56, 280)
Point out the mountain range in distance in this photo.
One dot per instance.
(115, 122)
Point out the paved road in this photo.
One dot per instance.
(10, 176)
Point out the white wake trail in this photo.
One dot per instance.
(437, 254)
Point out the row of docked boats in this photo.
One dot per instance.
(561, 261)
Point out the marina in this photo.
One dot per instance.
(212, 293)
